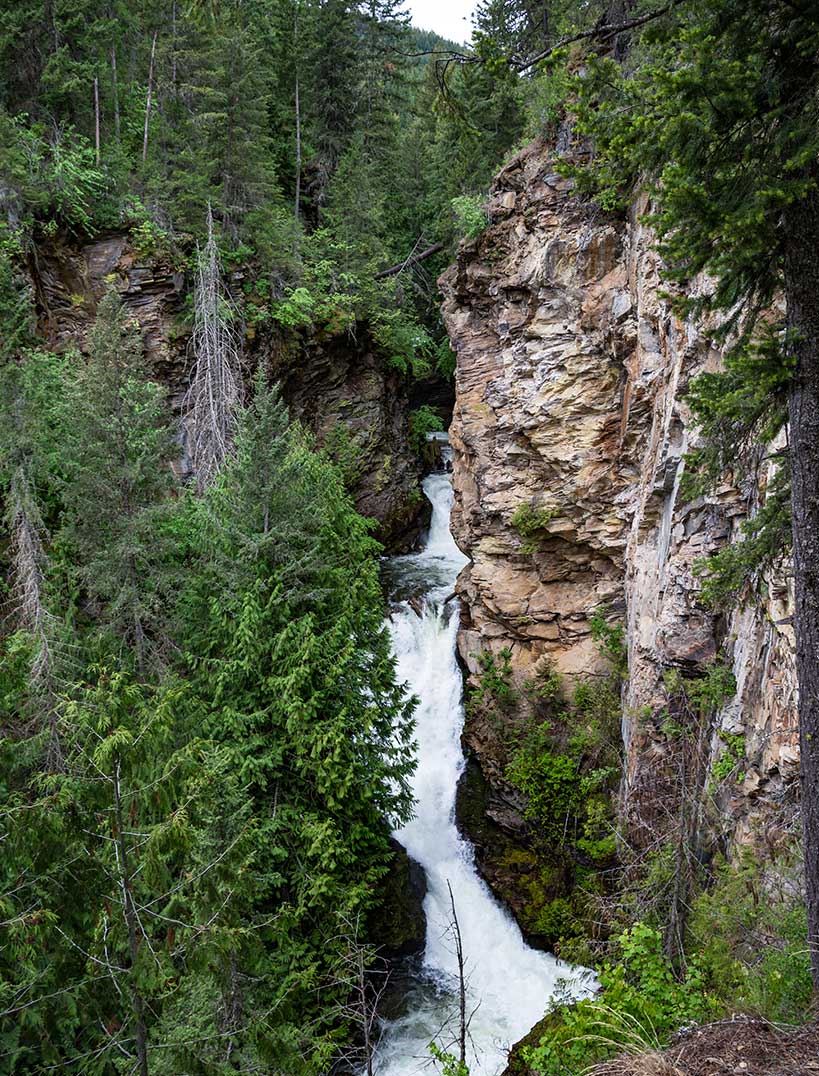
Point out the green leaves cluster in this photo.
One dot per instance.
(640, 1003)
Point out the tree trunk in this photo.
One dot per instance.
(394, 270)
(148, 100)
(115, 88)
(801, 227)
(459, 956)
(140, 1033)
(297, 200)
(97, 118)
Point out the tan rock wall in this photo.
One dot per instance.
(570, 379)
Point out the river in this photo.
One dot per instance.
(509, 984)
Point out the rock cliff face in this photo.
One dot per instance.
(337, 386)
(569, 432)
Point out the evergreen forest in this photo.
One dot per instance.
(205, 742)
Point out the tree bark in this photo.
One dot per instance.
(115, 88)
(148, 100)
(140, 1032)
(297, 199)
(97, 118)
(801, 229)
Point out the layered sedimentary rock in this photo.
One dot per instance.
(569, 432)
(338, 385)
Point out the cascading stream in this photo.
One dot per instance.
(509, 984)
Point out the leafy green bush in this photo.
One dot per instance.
(530, 523)
(551, 785)
(421, 422)
(749, 928)
(732, 757)
(640, 1004)
(470, 216)
(495, 678)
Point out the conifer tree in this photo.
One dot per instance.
(213, 398)
(119, 475)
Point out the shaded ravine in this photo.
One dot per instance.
(509, 984)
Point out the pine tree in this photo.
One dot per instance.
(119, 475)
(296, 683)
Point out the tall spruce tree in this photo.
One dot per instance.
(119, 475)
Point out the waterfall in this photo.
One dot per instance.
(509, 984)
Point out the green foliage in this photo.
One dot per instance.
(421, 422)
(749, 929)
(731, 759)
(741, 407)
(495, 678)
(118, 450)
(233, 745)
(449, 1064)
(611, 638)
(641, 1002)
(52, 175)
(470, 216)
(705, 694)
(552, 788)
(531, 523)
(565, 757)
(766, 537)
(445, 359)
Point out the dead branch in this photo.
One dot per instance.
(412, 260)
(211, 404)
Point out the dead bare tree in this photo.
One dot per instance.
(459, 956)
(212, 401)
(29, 611)
(148, 100)
(454, 1064)
(363, 977)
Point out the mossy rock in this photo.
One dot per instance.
(533, 886)
(398, 926)
(516, 1065)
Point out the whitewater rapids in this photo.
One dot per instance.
(509, 984)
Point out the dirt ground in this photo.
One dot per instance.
(738, 1047)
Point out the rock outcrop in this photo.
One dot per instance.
(569, 432)
(338, 386)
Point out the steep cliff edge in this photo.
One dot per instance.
(339, 386)
(569, 432)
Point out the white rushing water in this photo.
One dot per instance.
(509, 983)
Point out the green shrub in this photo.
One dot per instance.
(470, 216)
(731, 759)
(551, 785)
(495, 678)
(640, 1004)
(531, 523)
(612, 640)
(421, 422)
(750, 929)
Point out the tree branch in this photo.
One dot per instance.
(413, 260)
(603, 33)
